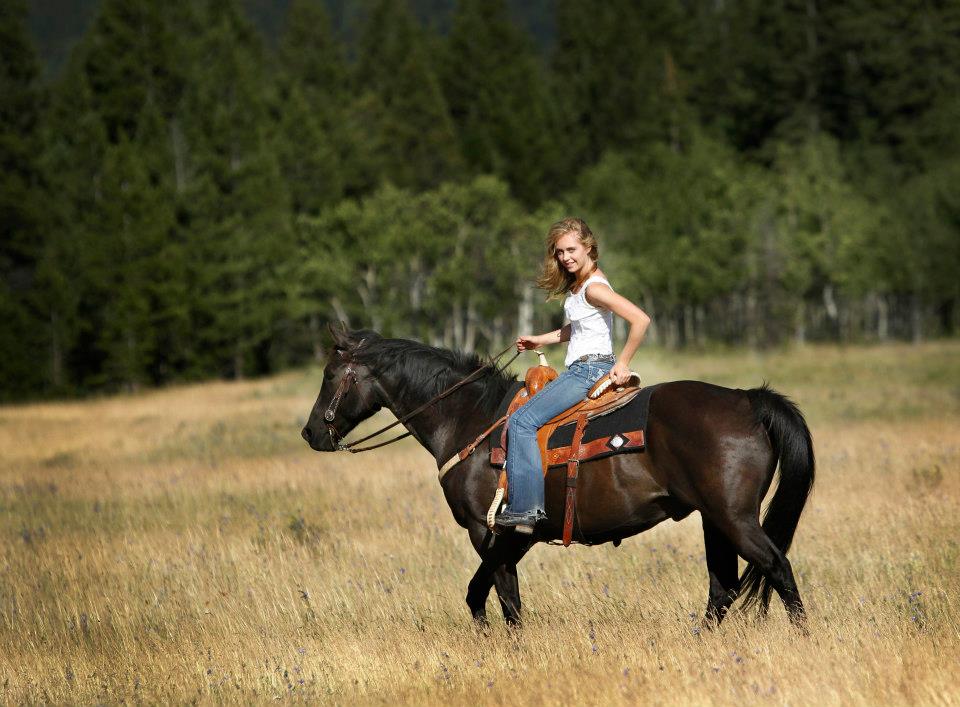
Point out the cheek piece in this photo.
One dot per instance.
(349, 377)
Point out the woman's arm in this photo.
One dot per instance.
(599, 295)
(525, 343)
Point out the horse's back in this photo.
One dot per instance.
(683, 396)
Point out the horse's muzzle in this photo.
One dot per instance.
(328, 441)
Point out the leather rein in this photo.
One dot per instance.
(350, 376)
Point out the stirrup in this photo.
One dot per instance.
(524, 527)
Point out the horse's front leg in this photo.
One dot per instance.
(499, 555)
(508, 590)
(477, 592)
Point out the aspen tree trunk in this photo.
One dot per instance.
(525, 310)
(498, 334)
(883, 318)
(448, 333)
(830, 307)
(470, 332)
(456, 316)
(178, 148)
(315, 338)
(416, 299)
(366, 290)
(653, 331)
(800, 323)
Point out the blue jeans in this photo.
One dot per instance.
(524, 469)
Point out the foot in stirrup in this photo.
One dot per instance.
(520, 522)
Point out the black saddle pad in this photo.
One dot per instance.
(629, 418)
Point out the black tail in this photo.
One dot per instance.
(793, 445)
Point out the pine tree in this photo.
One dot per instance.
(620, 77)
(75, 143)
(22, 203)
(131, 56)
(901, 77)
(493, 84)
(759, 69)
(309, 162)
(313, 58)
(399, 108)
(237, 207)
(312, 136)
(127, 234)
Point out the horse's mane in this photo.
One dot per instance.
(426, 371)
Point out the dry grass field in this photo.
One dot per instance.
(185, 546)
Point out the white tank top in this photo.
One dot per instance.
(591, 329)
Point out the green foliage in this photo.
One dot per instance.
(901, 76)
(126, 240)
(618, 79)
(400, 110)
(308, 160)
(826, 227)
(22, 218)
(313, 141)
(437, 266)
(497, 97)
(129, 59)
(184, 201)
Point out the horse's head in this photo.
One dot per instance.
(349, 393)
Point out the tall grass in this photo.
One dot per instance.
(184, 545)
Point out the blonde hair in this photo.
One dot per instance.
(555, 280)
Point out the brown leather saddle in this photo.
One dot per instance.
(601, 399)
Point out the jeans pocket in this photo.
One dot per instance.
(598, 371)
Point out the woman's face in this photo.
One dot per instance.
(572, 254)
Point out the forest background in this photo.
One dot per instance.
(196, 187)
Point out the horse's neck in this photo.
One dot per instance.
(443, 428)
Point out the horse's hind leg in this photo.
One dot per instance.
(722, 568)
(756, 547)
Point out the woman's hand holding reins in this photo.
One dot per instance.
(528, 343)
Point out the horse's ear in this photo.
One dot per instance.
(341, 337)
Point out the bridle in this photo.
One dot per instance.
(350, 377)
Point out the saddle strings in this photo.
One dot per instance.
(352, 446)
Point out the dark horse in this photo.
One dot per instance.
(709, 449)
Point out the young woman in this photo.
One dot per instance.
(569, 268)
